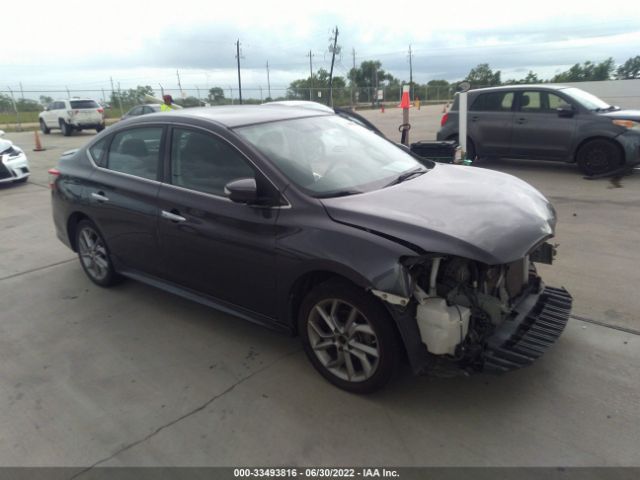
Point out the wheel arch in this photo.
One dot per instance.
(613, 141)
(72, 224)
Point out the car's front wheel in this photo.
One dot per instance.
(348, 337)
(599, 156)
(94, 255)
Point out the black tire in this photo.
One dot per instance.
(43, 128)
(599, 156)
(99, 128)
(65, 128)
(367, 372)
(93, 255)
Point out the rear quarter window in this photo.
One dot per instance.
(98, 152)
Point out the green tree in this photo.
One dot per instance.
(45, 99)
(216, 96)
(437, 90)
(588, 71)
(629, 69)
(300, 89)
(370, 76)
(6, 104)
(483, 76)
(132, 96)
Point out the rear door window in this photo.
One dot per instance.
(540, 102)
(493, 102)
(136, 152)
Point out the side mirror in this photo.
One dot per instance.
(565, 110)
(242, 190)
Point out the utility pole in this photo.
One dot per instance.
(179, 84)
(260, 93)
(310, 55)
(113, 94)
(21, 92)
(239, 82)
(198, 90)
(268, 80)
(410, 74)
(353, 74)
(68, 92)
(333, 58)
(104, 99)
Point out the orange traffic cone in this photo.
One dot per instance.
(404, 103)
(382, 107)
(38, 144)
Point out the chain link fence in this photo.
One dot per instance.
(19, 109)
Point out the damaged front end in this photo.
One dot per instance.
(467, 316)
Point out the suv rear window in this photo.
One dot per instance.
(84, 104)
(493, 102)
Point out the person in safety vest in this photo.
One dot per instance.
(167, 106)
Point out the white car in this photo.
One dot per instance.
(72, 114)
(14, 166)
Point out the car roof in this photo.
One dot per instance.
(303, 104)
(539, 86)
(239, 115)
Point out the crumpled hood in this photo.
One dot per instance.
(471, 212)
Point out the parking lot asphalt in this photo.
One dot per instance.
(135, 376)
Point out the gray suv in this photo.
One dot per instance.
(548, 123)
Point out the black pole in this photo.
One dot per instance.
(333, 58)
(239, 81)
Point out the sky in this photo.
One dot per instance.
(84, 45)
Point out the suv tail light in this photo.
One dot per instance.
(54, 173)
(444, 119)
(101, 110)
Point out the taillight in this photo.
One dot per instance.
(444, 119)
(54, 173)
(101, 110)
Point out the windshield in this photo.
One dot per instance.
(328, 155)
(586, 99)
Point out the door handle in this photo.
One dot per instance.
(520, 121)
(174, 217)
(99, 196)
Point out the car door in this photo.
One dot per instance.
(490, 121)
(51, 116)
(122, 195)
(538, 130)
(210, 244)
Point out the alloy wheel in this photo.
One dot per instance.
(343, 340)
(93, 253)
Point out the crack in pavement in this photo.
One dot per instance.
(184, 416)
(605, 325)
(13, 275)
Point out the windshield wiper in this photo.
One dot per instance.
(339, 193)
(407, 175)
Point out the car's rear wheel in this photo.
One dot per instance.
(599, 156)
(43, 128)
(348, 337)
(65, 128)
(99, 128)
(94, 255)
